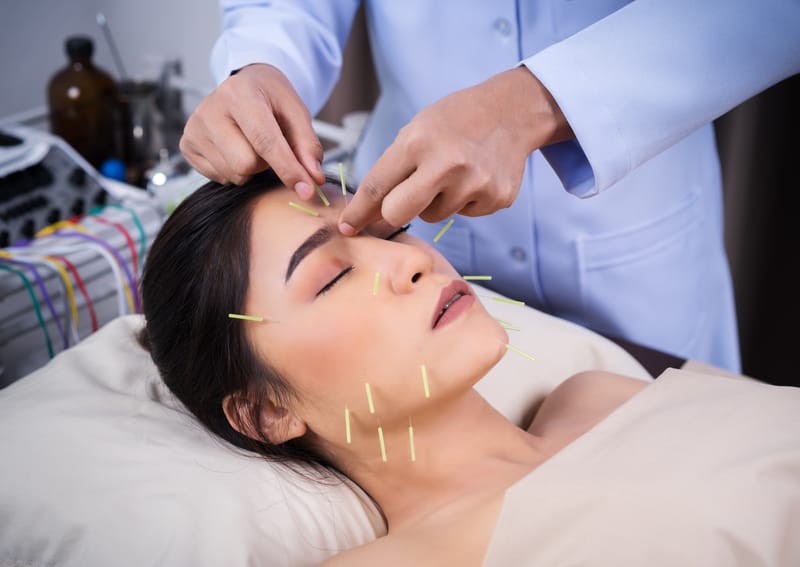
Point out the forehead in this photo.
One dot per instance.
(277, 227)
(282, 210)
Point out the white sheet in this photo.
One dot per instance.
(101, 466)
(695, 470)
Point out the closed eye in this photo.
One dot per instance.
(335, 280)
(349, 269)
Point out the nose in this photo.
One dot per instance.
(409, 265)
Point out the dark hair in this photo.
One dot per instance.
(196, 273)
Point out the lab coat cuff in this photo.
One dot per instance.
(571, 166)
(229, 57)
(598, 144)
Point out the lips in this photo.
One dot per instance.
(453, 300)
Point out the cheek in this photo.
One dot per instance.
(329, 360)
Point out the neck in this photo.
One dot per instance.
(461, 446)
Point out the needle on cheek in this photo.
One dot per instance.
(505, 300)
(369, 398)
(347, 424)
(411, 441)
(519, 352)
(383, 446)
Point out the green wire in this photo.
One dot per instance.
(35, 305)
(138, 223)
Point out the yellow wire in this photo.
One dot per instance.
(59, 225)
(73, 306)
(80, 228)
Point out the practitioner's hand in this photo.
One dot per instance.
(252, 121)
(463, 154)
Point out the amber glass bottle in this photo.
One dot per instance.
(81, 99)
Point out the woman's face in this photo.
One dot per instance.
(344, 311)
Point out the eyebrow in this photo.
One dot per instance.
(310, 244)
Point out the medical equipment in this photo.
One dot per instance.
(44, 182)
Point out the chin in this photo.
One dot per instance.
(475, 352)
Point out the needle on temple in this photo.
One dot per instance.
(246, 317)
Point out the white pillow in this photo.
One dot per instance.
(102, 466)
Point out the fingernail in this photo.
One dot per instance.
(346, 229)
(319, 167)
(304, 190)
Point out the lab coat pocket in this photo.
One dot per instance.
(645, 281)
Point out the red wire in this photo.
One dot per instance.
(74, 271)
(128, 239)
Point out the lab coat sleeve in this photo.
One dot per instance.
(302, 38)
(638, 81)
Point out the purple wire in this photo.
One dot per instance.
(46, 295)
(120, 259)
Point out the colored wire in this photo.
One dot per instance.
(127, 235)
(66, 223)
(122, 290)
(135, 307)
(70, 307)
(89, 305)
(138, 223)
(35, 303)
(55, 229)
(5, 257)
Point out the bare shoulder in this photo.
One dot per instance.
(435, 539)
(362, 555)
(583, 400)
(387, 551)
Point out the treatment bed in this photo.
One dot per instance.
(102, 466)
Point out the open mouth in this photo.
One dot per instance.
(454, 300)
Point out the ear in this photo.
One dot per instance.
(277, 423)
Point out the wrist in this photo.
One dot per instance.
(536, 109)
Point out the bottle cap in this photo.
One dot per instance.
(79, 47)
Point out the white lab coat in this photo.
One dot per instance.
(639, 83)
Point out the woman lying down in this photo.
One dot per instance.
(362, 356)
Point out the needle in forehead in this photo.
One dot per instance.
(320, 237)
